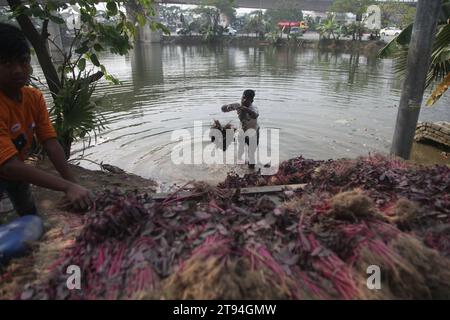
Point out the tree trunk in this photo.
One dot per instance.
(418, 63)
(39, 43)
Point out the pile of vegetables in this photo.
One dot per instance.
(316, 243)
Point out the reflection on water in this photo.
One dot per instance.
(327, 105)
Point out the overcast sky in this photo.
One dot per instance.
(240, 11)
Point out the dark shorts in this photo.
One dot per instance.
(20, 195)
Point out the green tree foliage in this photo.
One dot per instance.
(75, 111)
(288, 10)
(210, 11)
(255, 23)
(311, 22)
(171, 15)
(439, 71)
(329, 29)
(352, 30)
(209, 23)
(357, 7)
(225, 7)
(398, 14)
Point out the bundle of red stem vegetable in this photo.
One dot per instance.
(223, 142)
(314, 244)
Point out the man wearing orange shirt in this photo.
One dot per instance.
(23, 114)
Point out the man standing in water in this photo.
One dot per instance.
(248, 115)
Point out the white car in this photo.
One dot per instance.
(390, 31)
(182, 31)
(230, 31)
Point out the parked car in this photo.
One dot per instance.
(183, 31)
(390, 31)
(296, 30)
(230, 31)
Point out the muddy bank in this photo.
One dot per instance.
(368, 47)
(61, 226)
(324, 44)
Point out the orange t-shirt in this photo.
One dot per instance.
(19, 121)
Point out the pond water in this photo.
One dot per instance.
(326, 105)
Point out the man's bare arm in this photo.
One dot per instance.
(56, 154)
(230, 107)
(16, 170)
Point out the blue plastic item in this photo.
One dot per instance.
(15, 236)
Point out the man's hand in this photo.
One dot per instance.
(15, 170)
(225, 108)
(79, 197)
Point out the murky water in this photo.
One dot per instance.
(326, 105)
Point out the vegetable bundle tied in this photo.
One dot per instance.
(312, 244)
(222, 141)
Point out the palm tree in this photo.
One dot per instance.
(439, 72)
(328, 28)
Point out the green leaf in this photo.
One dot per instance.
(141, 19)
(162, 27)
(94, 60)
(57, 20)
(85, 17)
(51, 5)
(98, 47)
(131, 28)
(36, 11)
(112, 79)
(112, 8)
(22, 10)
(82, 50)
(403, 39)
(82, 64)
